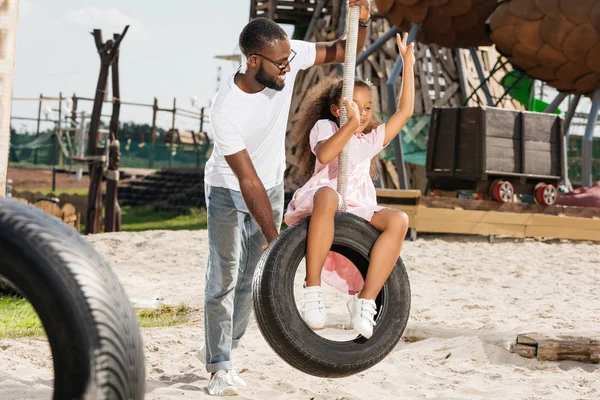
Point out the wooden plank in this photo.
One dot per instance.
(468, 204)
(528, 339)
(450, 91)
(424, 88)
(557, 347)
(495, 217)
(563, 221)
(577, 350)
(410, 193)
(468, 227)
(524, 350)
(549, 232)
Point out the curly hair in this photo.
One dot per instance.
(316, 106)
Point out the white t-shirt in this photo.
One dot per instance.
(256, 122)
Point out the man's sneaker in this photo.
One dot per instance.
(362, 312)
(237, 380)
(313, 307)
(221, 384)
(235, 377)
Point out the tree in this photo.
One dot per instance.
(9, 14)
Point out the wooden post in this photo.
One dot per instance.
(154, 111)
(153, 133)
(172, 132)
(59, 129)
(96, 154)
(37, 131)
(112, 218)
(73, 127)
(195, 140)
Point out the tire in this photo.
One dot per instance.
(282, 325)
(91, 326)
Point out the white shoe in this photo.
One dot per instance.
(235, 377)
(237, 380)
(362, 312)
(313, 307)
(221, 384)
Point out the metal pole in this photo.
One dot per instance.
(586, 167)
(565, 150)
(555, 103)
(391, 93)
(377, 44)
(479, 68)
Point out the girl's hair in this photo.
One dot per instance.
(316, 106)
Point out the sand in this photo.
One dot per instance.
(471, 296)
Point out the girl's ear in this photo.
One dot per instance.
(335, 110)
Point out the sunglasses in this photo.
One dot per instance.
(281, 66)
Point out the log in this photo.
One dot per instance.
(548, 347)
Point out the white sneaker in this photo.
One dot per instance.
(362, 312)
(221, 384)
(313, 307)
(235, 377)
(237, 380)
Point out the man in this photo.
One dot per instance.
(244, 178)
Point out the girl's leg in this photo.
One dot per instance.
(318, 244)
(393, 225)
(320, 233)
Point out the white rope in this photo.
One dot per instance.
(347, 92)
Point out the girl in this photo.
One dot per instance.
(317, 151)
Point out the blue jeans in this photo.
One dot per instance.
(235, 247)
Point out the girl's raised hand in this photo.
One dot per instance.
(353, 112)
(406, 51)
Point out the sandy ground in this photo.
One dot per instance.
(463, 288)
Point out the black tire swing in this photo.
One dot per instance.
(91, 326)
(273, 286)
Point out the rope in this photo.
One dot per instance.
(347, 92)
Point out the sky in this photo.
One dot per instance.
(167, 53)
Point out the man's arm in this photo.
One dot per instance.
(334, 52)
(254, 193)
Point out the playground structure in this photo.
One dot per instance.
(471, 70)
(458, 62)
(459, 66)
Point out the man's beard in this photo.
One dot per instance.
(268, 81)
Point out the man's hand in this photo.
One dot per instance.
(365, 11)
(254, 193)
(334, 52)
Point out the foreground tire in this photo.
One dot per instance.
(281, 323)
(91, 326)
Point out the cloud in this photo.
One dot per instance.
(110, 20)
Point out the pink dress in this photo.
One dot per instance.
(361, 197)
